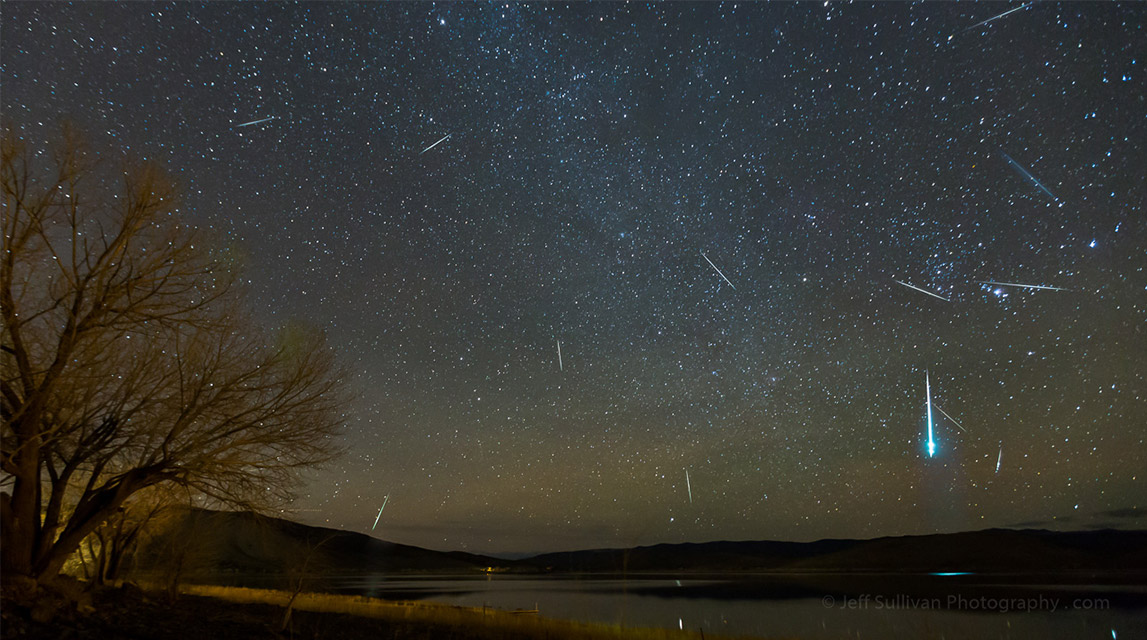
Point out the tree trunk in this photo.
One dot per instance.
(122, 545)
(20, 512)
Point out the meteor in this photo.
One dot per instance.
(436, 143)
(688, 486)
(999, 458)
(928, 400)
(957, 422)
(560, 367)
(716, 269)
(1027, 174)
(983, 22)
(384, 501)
(1024, 286)
(247, 124)
(922, 290)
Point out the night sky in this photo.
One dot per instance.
(449, 190)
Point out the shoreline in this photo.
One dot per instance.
(200, 611)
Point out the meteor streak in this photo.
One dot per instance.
(688, 486)
(384, 501)
(1027, 174)
(928, 399)
(716, 269)
(1025, 286)
(247, 124)
(999, 458)
(436, 143)
(922, 290)
(983, 22)
(957, 422)
(560, 367)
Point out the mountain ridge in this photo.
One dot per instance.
(244, 542)
(988, 550)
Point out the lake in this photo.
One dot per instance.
(804, 606)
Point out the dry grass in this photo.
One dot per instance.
(493, 622)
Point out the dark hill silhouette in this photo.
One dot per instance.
(241, 542)
(213, 542)
(989, 551)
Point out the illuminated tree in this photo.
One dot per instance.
(127, 362)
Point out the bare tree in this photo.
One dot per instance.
(111, 547)
(299, 576)
(186, 543)
(127, 362)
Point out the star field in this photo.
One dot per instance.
(816, 153)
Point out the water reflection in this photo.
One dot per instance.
(806, 606)
(953, 605)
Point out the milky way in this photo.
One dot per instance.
(449, 190)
